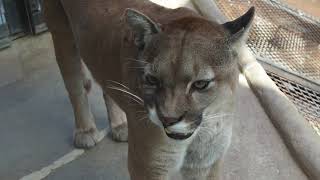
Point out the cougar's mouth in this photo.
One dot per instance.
(182, 130)
(178, 130)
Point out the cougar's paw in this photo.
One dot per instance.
(120, 133)
(86, 138)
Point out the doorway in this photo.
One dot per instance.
(19, 18)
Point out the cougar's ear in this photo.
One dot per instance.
(142, 26)
(239, 28)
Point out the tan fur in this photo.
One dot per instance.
(189, 47)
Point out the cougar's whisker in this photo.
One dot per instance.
(216, 116)
(120, 84)
(132, 67)
(141, 112)
(204, 127)
(142, 118)
(135, 105)
(136, 60)
(204, 131)
(137, 98)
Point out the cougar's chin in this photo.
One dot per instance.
(182, 130)
(177, 136)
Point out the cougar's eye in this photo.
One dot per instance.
(151, 80)
(201, 85)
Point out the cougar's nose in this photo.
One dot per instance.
(169, 121)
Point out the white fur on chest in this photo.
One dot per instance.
(207, 148)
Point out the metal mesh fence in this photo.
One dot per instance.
(280, 36)
(289, 40)
(306, 100)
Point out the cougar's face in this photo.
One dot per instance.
(183, 76)
(189, 68)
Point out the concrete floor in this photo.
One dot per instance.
(37, 123)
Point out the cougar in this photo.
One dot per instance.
(168, 76)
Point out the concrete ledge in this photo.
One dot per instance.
(210, 10)
(299, 137)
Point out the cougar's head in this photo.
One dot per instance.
(189, 68)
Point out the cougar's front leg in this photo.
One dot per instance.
(117, 120)
(86, 134)
(146, 165)
(203, 173)
(152, 155)
(69, 62)
(216, 170)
